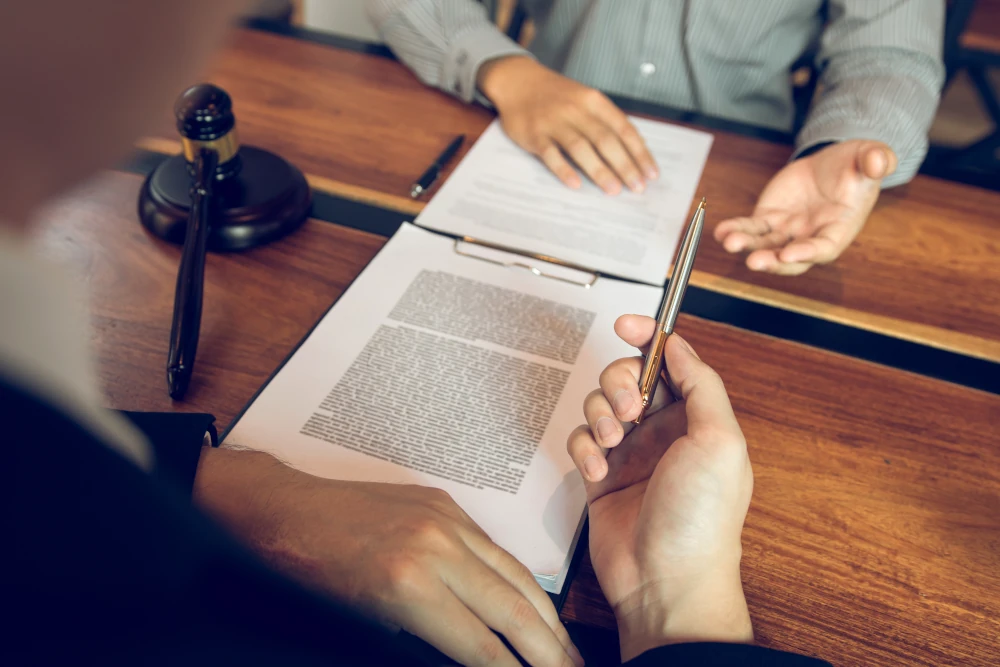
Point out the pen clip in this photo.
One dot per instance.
(588, 279)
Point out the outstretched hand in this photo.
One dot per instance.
(812, 209)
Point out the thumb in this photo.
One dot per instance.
(875, 160)
(709, 412)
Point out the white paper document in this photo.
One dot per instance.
(503, 195)
(445, 370)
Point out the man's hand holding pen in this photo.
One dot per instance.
(667, 499)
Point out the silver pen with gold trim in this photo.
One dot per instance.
(670, 307)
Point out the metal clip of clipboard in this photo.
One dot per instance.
(586, 284)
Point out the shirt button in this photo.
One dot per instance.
(647, 69)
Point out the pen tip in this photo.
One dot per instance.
(703, 203)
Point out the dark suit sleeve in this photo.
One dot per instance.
(177, 439)
(126, 571)
(721, 655)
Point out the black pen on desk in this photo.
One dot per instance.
(669, 309)
(423, 183)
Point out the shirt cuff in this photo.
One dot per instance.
(812, 136)
(468, 53)
(177, 440)
(707, 654)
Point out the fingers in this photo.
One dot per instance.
(613, 151)
(587, 455)
(636, 330)
(521, 579)
(757, 232)
(502, 607)
(580, 148)
(610, 410)
(606, 146)
(825, 246)
(553, 158)
(710, 415)
(619, 123)
(876, 160)
(621, 396)
(457, 632)
(769, 262)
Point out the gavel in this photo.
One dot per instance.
(214, 196)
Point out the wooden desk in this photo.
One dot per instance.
(872, 537)
(258, 305)
(924, 269)
(982, 32)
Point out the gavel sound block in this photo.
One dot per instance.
(257, 196)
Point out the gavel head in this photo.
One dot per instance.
(205, 120)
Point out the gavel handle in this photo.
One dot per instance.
(191, 278)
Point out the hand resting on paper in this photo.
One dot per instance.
(668, 500)
(812, 209)
(407, 555)
(552, 116)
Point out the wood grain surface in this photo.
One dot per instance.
(257, 306)
(363, 127)
(874, 533)
(982, 32)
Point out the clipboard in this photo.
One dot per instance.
(464, 250)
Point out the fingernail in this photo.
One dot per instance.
(881, 162)
(592, 466)
(652, 174)
(623, 403)
(606, 430)
(612, 188)
(636, 186)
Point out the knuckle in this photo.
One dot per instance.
(612, 373)
(429, 535)
(439, 496)
(578, 146)
(605, 141)
(539, 144)
(594, 398)
(594, 98)
(487, 651)
(520, 615)
(577, 435)
(626, 130)
(405, 577)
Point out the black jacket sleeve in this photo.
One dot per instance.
(105, 565)
(721, 655)
(177, 439)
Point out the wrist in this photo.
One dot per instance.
(711, 609)
(236, 487)
(498, 77)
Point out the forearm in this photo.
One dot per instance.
(881, 76)
(895, 110)
(444, 42)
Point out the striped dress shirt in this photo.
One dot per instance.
(880, 62)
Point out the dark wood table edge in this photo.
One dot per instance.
(753, 316)
(930, 167)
